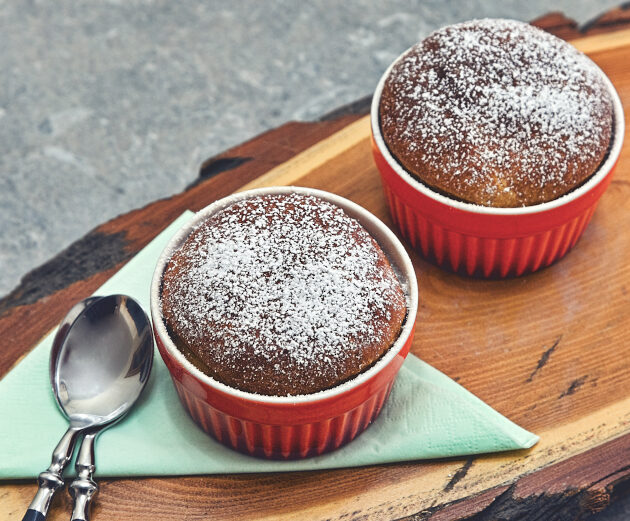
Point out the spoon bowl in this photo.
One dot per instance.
(103, 362)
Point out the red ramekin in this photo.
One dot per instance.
(483, 241)
(294, 426)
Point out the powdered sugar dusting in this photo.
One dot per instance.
(497, 112)
(286, 282)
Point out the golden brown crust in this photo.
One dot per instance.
(497, 113)
(282, 295)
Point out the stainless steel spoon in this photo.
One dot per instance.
(99, 365)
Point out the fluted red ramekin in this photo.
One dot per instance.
(288, 427)
(482, 241)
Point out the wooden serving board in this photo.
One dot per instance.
(550, 350)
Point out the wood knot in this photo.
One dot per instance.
(595, 500)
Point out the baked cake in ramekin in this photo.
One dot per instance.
(283, 315)
(494, 141)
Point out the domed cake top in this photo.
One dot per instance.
(497, 113)
(282, 294)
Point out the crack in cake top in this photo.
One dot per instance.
(497, 113)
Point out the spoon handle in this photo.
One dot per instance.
(83, 488)
(51, 479)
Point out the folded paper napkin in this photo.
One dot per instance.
(428, 415)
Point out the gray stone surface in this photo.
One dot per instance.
(107, 106)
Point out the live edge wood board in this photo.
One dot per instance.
(550, 350)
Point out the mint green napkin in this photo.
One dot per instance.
(428, 415)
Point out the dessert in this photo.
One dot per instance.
(281, 294)
(292, 426)
(497, 113)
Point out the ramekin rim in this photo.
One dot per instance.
(406, 270)
(595, 179)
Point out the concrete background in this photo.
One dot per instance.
(107, 106)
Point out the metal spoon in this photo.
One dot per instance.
(99, 365)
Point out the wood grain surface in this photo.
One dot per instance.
(551, 350)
